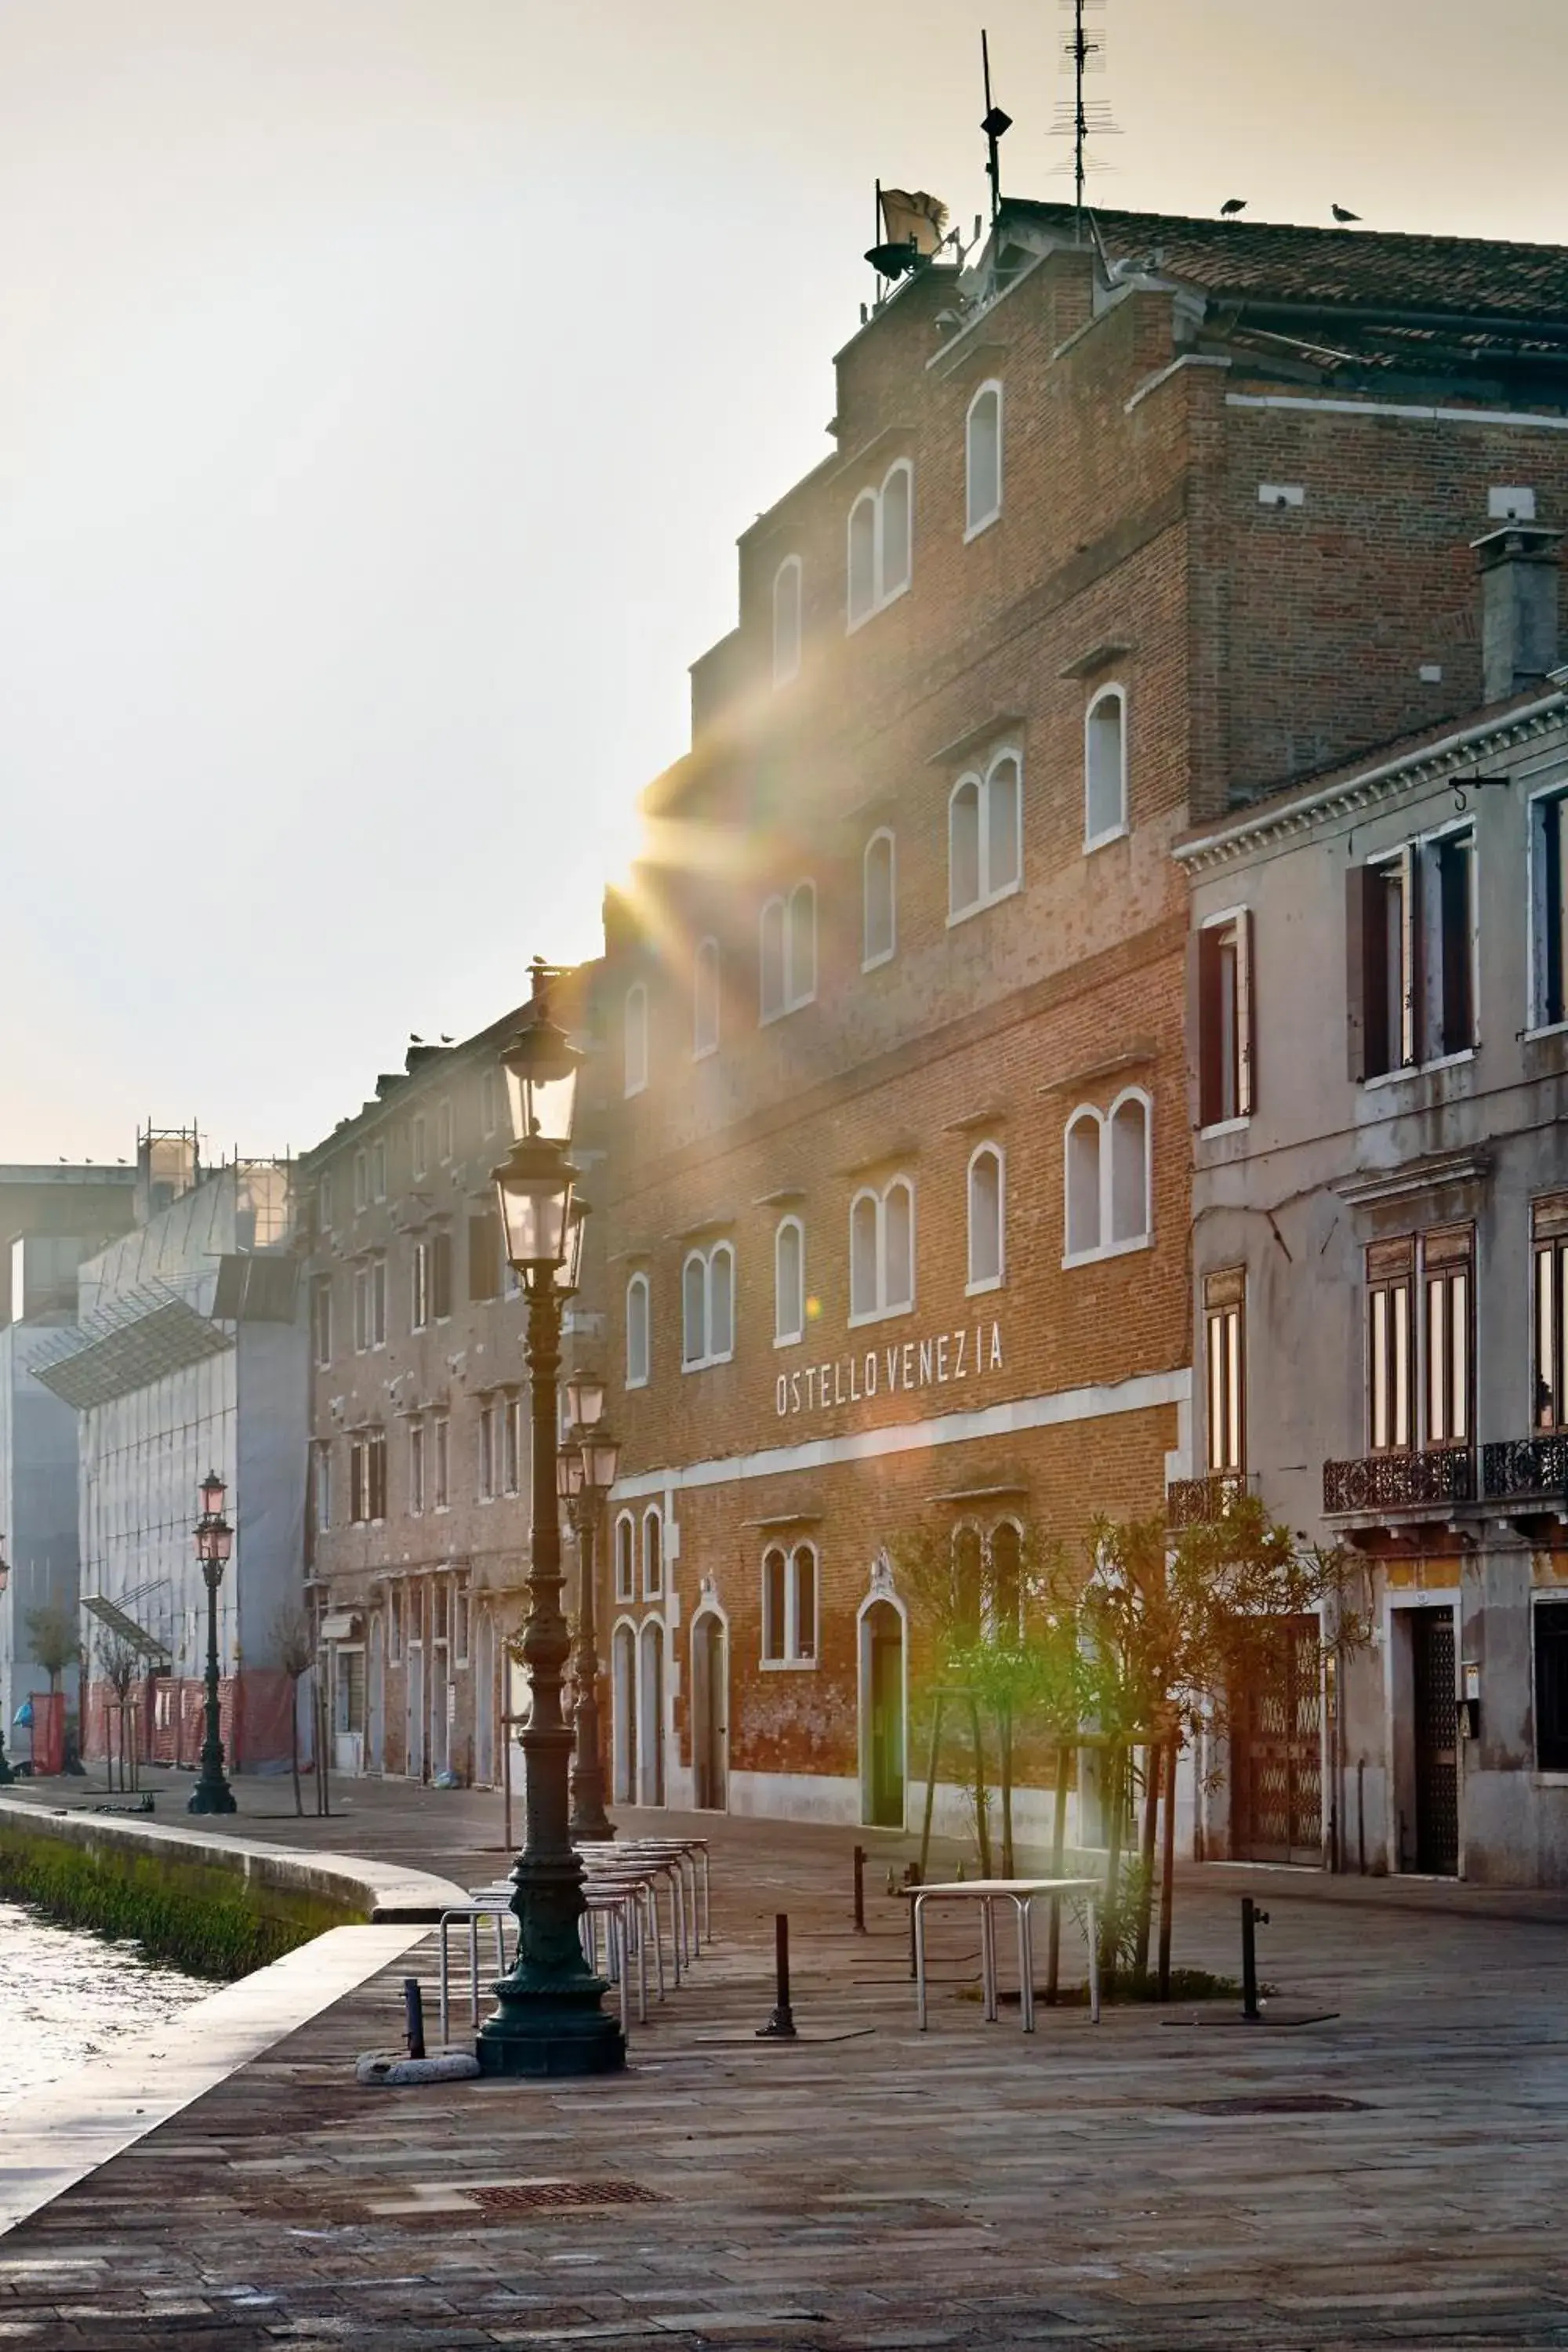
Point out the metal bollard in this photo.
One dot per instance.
(780, 2026)
(414, 2016)
(859, 1890)
(1251, 1919)
(912, 1878)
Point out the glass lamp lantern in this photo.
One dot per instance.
(584, 1399)
(601, 1455)
(569, 1472)
(541, 1066)
(212, 1491)
(535, 1187)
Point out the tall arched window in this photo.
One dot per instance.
(708, 1307)
(879, 936)
(982, 458)
(987, 1206)
(1128, 1168)
(1108, 1174)
(789, 1282)
(897, 531)
(1006, 1581)
(636, 1038)
(968, 1582)
(863, 558)
(882, 1251)
(985, 836)
(652, 1555)
(789, 1605)
(1105, 767)
(636, 1331)
(771, 960)
(705, 1000)
(787, 952)
(1083, 1183)
(786, 620)
(626, 1558)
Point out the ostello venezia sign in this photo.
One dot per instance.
(943, 1357)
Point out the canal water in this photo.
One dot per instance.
(66, 1997)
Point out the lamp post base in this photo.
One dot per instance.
(207, 1800)
(550, 2033)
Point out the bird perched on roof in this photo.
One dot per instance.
(1340, 214)
(1231, 207)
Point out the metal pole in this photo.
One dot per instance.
(590, 1823)
(1168, 1867)
(780, 2026)
(1251, 1919)
(859, 1890)
(548, 2019)
(212, 1793)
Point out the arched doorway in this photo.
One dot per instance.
(375, 1698)
(485, 1700)
(624, 1712)
(710, 1712)
(882, 1769)
(651, 1713)
(413, 1735)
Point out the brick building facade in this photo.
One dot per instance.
(897, 1214)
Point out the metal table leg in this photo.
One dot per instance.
(988, 1958)
(1026, 1962)
(918, 1902)
(1092, 1910)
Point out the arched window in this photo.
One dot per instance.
(1083, 1183)
(771, 960)
(800, 959)
(636, 1038)
(636, 1331)
(789, 1282)
(1109, 1190)
(986, 1218)
(863, 558)
(626, 1558)
(786, 620)
(705, 1000)
(1006, 1582)
(652, 1555)
(882, 1251)
(897, 531)
(708, 1307)
(1105, 767)
(985, 836)
(1128, 1168)
(982, 458)
(789, 1605)
(879, 936)
(968, 1582)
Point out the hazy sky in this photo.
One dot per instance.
(385, 383)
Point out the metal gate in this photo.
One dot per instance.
(1276, 1748)
(1436, 1743)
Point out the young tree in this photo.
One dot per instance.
(53, 1638)
(296, 1655)
(120, 1664)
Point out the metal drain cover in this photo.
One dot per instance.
(1280, 2103)
(556, 2196)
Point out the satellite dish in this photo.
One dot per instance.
(892, 260)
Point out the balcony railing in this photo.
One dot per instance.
(1522, 1469)
(1198, 1502)
(1400, 1481)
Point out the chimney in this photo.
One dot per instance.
(1519, 608)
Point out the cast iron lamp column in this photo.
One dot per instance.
(215, 1542)
(589, 1463)
(6, 1775)
(548, 2018)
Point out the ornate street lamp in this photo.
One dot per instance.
(6, 1775)
(215, 1542)
(588, 1465)
(548, 2018)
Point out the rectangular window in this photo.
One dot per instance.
(378, 1170)
(484, 1255)
(489, 1100)
(378, 1302)
(1390, 1274)
(416, 1467)
(394, 1625)
(361, 1180)
(418, 1148)
(440, 1275)
(1446, 1264)
(1224, 1360)
(441, 1460)
(419, 1301)
(461, 1620)
(1550, 1625)
(512, 1447)
(1549, 1233)
(321, 1320)
(376, 1474)
(1411, 953)
(1224, 1018)
(322, 1455)
(362, 1310)
(489, 1449)
(443, 1132)
(1549, 910)
(324, 1205)
(359, 1481)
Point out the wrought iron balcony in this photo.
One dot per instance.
(1526, 1469)
(1400, 1481)
(1198, 1502)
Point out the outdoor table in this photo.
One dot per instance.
(1020, 1893)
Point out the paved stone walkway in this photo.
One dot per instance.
(971, 2188)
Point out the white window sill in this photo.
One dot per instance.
(872, 963)
(641, 1088)
(1539, 1779)
(625, 1601)
(1420, 1069)
(783, 1012)
(1094, 841)
(1111, 1249)
(787, 1666)
(788, 1338)
(881, 1314)
(979, 905)
(991, 1282)
(706, 1363)
(975, 529)
(859, 621)
(649, 1598)
(703, 1052)
(785, 677)
(1547, 1029)
(1227, 1126)
(636, 1384)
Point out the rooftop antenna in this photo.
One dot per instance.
(996, 123)
(1085, 119)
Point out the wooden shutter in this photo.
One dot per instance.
(440, 1275)
(1246, 1018)
(1196, 965)
(1366, 1011)
(484, 1256)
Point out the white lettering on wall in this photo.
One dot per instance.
(933, 1362)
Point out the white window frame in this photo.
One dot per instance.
(419, 1285)
(1103, 1120)
(634, 1033)
(707, 960)
(441, 1462)
(987, 1149)
(882, 594)
(512, 1442)
(788, 1311)
(361, 1179)
(324, 1201)
(793, 1658)
(1238, 921)
(786, 655)
(794, 997)
(869, 961)
(624, 1558)
(489, 1103)
(488, 1467)
(444, 1130)
(418, 1467)
(974, 524)
(321, 1495)
(1554, 794)
(635, 1378)
(378, 1169)
(653, 1553)
(705, 1257)
(982, 778)
(1421, 949)
(884, 1306)
(322, 1312)
(418, 1147)
(1112, 690)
